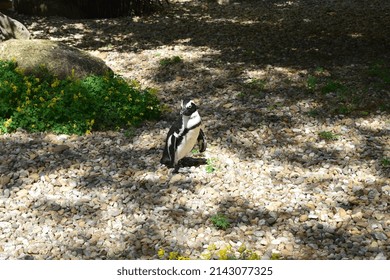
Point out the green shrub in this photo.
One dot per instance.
(70, 106)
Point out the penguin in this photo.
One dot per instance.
(183, 135)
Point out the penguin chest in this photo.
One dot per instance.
(187, 144)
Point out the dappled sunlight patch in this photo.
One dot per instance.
(284, 4)
(277, 77)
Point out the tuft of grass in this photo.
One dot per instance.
(71, 106)
(164, 62)
(254, 87)
(220, 221)
(328, 135)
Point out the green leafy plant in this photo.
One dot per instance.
(71, 106)
(327, 135)
(170, 61)
(210, 165)
(220, 221)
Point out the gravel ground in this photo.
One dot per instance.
(285, 190)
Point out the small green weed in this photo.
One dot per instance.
(210, 165)
(381, 72)
(333, 86)
(275, 256)
(385, 162)
(212, 253)
(170, 61)
(344, 109)
(327, 135)
(163, 255)
(275, 106)
(258, 84)
(254, 87)
(313, 113)
(320, 70)
(220, 221)
(311, 82)
(71, 106)
(228, 253)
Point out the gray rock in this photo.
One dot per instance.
(4, 180)
(59, 148)
(61, 60)
(12, 29)
(380, 235)
(381, 256)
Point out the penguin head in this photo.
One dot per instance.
(188, 107)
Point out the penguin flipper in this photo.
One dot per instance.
(202, 143)
(172, 150)
(168, 157)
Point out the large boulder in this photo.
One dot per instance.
(60, 59)
(12, 29)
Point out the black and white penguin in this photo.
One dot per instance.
(183, 135)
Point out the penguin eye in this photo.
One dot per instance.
(190, 105)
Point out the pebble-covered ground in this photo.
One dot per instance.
(300, 169)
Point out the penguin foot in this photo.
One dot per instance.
(176, 169)
(188, 162)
